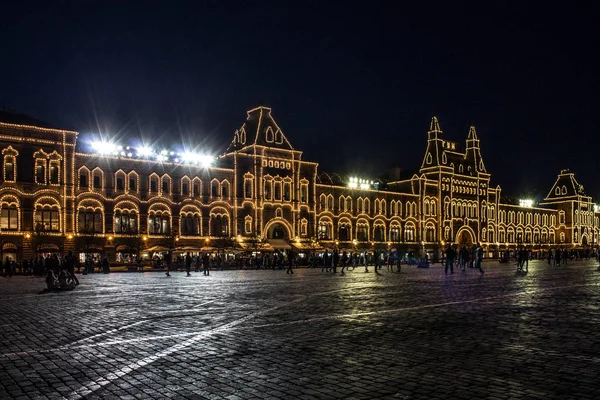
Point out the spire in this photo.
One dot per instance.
(472, 133)
(435, 125)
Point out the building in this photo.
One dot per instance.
(261, 195)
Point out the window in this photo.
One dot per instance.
(97, 182)
(132, 184)
(190, 224)
(277, 190)
(9, 219)
(54, 169)
(248, 188)
(196, 189)
(83, 180)
(362, 232)
(219, 225)
(323, 232)
(286, 191)
(47, 219)
(165, 186)
(344, 233)
(395, 234)
(409, 233)
(303, 193)
(90, 221)
(153, 186)
(120, 183)
(40, 171)
(225, 191)
(248, 224)
(215, 189)
(304, 227)
(159, 223)
(185, 189)
(9, 169)
(125, 222)
(268, 189)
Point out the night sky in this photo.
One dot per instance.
(352, 85)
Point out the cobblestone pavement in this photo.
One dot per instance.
(311, 335)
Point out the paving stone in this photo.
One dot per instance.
(265, 334)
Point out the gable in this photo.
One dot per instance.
(260, 129)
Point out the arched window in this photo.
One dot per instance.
(394, 232)
(9, 220)
(133, 182)
(362, 231)
(165, 184)
(303, 227)
(287, 192)
(248, 186)
(561, 217)
(303, 191)
(189, 223)
(430, 233)
(47, 214)
(344, 231)
(159, 222)
(269, 188)
(90, 217)
(10, 164)
(41, 161)
(409, 232)
(219, 224)
(247, 224)
(269, 135)
(379, 232)
(225, 189)
(185, 186)
(126, 221)
(324, 229)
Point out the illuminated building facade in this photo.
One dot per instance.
(56, 198)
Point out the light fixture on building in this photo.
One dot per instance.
(526, 203)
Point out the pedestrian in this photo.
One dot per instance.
(450, 255)
(479, 257)
(326, 261)
(188, 263)
(290, 262)
(206, 264)
(70, 266)
(105, 265)
(335, 258)
(140, 265)
(344, 261)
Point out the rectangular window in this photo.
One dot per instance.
(286, 192)
(153, 186)
(277, 191)
(97, 183)
(184, 189)
(165, 186)
(83, 180)
(196, 189)
(248, 189)
(303, 194)
(9, 219)
(268, 190)
(215, 190)
(54, 174)
(40, 174)
(120, 183)
(9, 171)
(132, 185)
(224, 192)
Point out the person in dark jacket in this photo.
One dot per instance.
(206, 264)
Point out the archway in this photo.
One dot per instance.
(277, 230)
(584, 240)
(465, 236)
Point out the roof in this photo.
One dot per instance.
(259, 129)
(565, 186)
(10, 117)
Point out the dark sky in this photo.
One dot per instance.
(353, 85)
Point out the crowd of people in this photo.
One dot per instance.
(60, 271)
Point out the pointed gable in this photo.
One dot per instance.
(565, 186)
(260, 129)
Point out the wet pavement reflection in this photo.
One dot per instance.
(265, 334)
